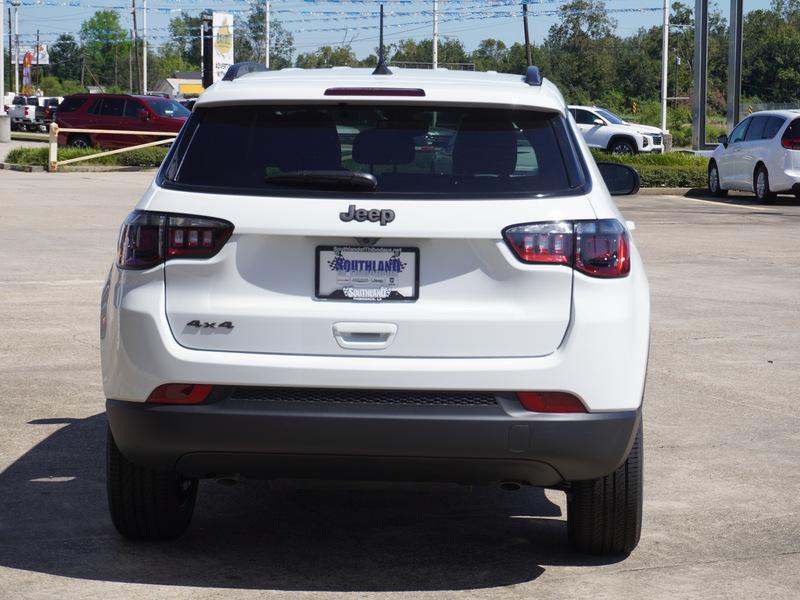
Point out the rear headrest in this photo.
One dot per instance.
(384, 147)
(485, 146)
(309, 141)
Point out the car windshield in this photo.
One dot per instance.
(610, 117)
(167, 108)
(416, 151)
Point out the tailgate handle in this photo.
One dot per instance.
(364, 336)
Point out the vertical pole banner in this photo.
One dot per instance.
(26, 74)
(222, 24)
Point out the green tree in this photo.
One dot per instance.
(163, 64)
(451, 51)
(491, 55)
(65, 57)
(184, 33)
(771, 54)
(105, 47)
(327, 56)
(281, 42)
(582, 48)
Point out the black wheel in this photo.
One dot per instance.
(621, 147)
(604, 516)
(80, 141)
(761, 186)
(146, 504)
(713, 181)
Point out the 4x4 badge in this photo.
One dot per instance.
(383, 215)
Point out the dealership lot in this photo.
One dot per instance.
(722, 509)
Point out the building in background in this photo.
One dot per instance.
(183, 84)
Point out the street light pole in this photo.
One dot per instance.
(2, 58)
(435, 34)
(15, 4)
(664, 66)
(144, 46)
(266, 35)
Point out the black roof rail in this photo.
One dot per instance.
(533, 76)
(237, 70)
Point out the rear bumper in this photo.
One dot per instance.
(501, 442)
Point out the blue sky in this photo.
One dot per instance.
(320, 22)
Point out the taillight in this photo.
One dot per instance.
(601, 248)
(551, 402)
(598, 248)
(180, 393)
(149, 238)
(791, 143)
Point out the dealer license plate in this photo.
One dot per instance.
(367, 274)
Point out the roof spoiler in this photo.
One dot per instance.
(532, 76)
(237, 70)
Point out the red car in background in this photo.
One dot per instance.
(121, 112)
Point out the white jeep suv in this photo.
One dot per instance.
(761, 155)
(289, 302)
(604, 130)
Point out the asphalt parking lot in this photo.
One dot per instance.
(722, 439)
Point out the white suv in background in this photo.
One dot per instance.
(290, 302)
(604, 130)
(761, 155)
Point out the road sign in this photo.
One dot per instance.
(634, 108)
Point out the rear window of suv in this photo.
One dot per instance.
(410, 150)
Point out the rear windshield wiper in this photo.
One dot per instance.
(326, 180)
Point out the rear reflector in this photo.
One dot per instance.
(598, 248)
(374, 92)
(179, 393)
(150, 238)
(551, 402)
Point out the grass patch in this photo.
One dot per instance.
(674, 169)
(145, 157)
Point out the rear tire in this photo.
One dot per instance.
(604, 516)
(146, 504)
(80, 141)
(713, 181)
(761, 186)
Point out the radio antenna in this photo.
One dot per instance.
(381, 68)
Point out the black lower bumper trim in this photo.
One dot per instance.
(420, 443)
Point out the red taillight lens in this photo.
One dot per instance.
(551, 402)
(541, 242)
(791, 143)
(180, 393)
(601, 248)
(148, 238)
(598, 248)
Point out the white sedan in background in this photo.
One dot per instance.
(761, 155)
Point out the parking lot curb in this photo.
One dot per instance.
(24, 168)
(102, 169)
(665, 191)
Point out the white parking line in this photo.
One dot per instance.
(730, 204)
(64, 282)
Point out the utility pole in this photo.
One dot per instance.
(266, 35)
(136, 45)
(144, 46)
(435, 34)
(2, 59)
(527, 35)
(130, 65)
(15, 4)
(664, 66)
(37, 58)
